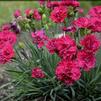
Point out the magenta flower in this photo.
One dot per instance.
(6, 26)
(52, 4)
(7, 36)
(37, 15)
(28, 11)
(39, 38)
(65, 47)
(85, 60)
(95, 11)
(95, 24)
(37, 73)
(90, 43)
(11, 38)
(81, 22)
(42, 2)
(2, 40)
(51, 45)
(68, 72)
(59, 14)
(6, 53)
(17, 13)
(73, 3)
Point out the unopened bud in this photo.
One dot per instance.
(46, 27)
(44, 17)
(21, 44)
(40, 10)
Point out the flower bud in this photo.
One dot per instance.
(40, 10)
(21, 45)
(27, 26)
(17, 13)
(44, 17)
(46, 27)
(28, 12)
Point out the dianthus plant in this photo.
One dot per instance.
(50, 53)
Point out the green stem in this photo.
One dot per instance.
(77, 36)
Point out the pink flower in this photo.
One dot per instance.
(28, 12)
(82, 22)
(95, 11)
(73, 3)
(37, 73)
(7, 36)
(17, 13)
(6, 26)
(36, 15)
(95, 24)
(51, 45)
(52, 4)
(59, 14)
(6, 53)
(39, 38)
(68, 72)
(2, 40)
(11, 38)
(86, 60)
(42, 2)
(90, 43)
(65, 47)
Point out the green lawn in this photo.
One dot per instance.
(8, 7)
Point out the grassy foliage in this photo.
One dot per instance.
(88, 88)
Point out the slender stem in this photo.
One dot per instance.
(77, 36)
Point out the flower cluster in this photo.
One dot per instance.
(7, 41)
(30, 13)
(91, 21)
(67, 49)
(86, 57)
(75, 56)
(76, 47)
(61, 9)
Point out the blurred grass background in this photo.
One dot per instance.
(8, 7)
